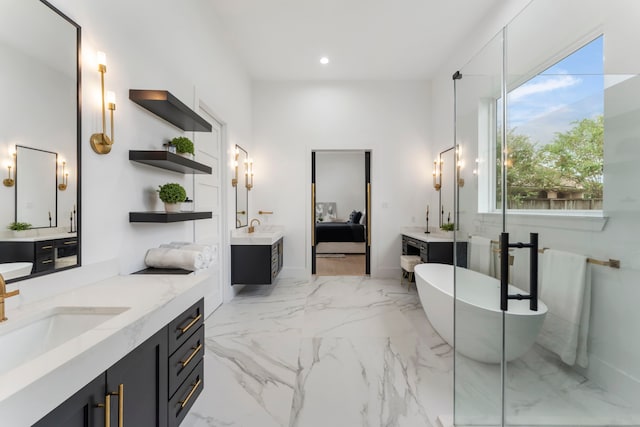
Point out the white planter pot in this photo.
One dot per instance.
(172, 207)
(186, 155)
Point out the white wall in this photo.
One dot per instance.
(389, 118)
(149, 44)
(340, 178)
(613, 353)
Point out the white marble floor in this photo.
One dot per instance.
(356, 351)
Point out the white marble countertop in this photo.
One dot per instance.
(263, 235)
(39, 238)
(33, 389)
(433, 236)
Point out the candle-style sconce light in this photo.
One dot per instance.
(64, 177)
(10, 181)
(248, 174)
(459, 166)
(437, 174)
(236, 154)
(100, 142)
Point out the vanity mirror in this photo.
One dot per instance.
(39, 137)
(242, 193)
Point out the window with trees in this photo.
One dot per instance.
(554, 154)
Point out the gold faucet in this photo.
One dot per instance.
(4, 294)
(251, 227)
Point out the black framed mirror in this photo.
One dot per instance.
(40, 130)
(242, 192)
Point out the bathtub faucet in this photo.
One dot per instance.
(4, 294)
(504, 271)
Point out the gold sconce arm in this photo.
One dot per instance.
(234, 180)
(437, 174)
(64, 178)
(248, 174)
(9, 182)
(100, 142)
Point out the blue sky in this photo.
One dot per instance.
(570, 90)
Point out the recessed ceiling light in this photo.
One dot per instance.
(324, 60)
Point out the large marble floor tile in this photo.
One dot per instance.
(353, 307)
(248, 382)
(261, 310)
(344, 382)
(540, 390)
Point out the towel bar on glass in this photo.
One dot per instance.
(613, 263)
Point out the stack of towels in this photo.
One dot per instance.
(184, 255)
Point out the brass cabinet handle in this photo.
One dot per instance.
(48, 261)
(47, 247)
(194, 387)
(193, 322)
(73, 242)
(192, 355)
(107, 410)
(265, 212)
(120, 394)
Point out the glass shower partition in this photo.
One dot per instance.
(477, 384)
(553, 171)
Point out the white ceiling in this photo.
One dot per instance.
(364, 39)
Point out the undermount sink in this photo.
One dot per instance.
(25, 339)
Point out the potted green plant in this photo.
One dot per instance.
(19, 228)
(172, 194)
(449, 226)
(184, 146)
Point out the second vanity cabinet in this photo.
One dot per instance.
(436, 250)
(142, 387)
(43, 253)
(256, 264)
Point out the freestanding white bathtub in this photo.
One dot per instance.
(478, 315)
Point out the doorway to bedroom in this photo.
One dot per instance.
(341, 193)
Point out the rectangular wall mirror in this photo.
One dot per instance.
(39, 139)
(242, 193)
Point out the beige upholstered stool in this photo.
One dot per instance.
(407, 263)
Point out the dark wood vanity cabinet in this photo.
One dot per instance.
(42, 253)
(81, 409)
(435, 251)
(256, 264)
(157, 385)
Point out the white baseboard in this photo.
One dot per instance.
(613, 380)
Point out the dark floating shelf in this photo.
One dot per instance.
(152, 270)
(165, 160)
(163, 104)
(166, 217)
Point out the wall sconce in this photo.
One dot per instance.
(459, 166)
(100, 142)
(437, 174)
(9, 181)
(236, 154)
(64, 178)
(248, 175)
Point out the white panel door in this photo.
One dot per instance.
(207, 197)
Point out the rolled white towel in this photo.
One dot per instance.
(174, 258)
(205, 249)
